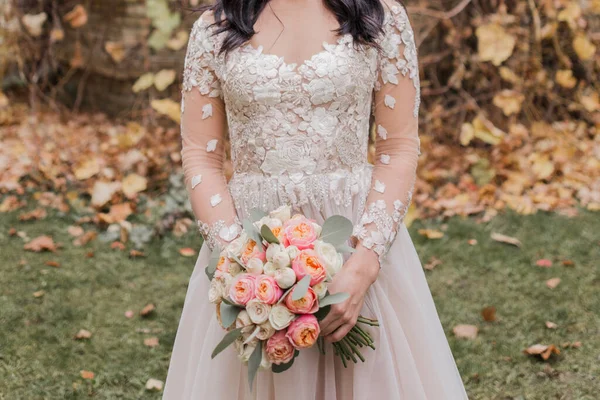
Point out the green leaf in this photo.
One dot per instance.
(301, 288)
(227, 301)
(212, 262)
(333, 299)
(229, 314)
(344, 248)
(254, 362)
(229, 338)
(251, 231)
(336, 230)
(282, 367)
(268, 235)
(256, 214)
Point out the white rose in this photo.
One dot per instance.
(285, 277)
(266, 331)
(216, 291)
(258, 311)
(243, 321)
(330, 257)
(320, 289)
(254, 266)
(318, 228)
(235, 247)
(280, 317)
(274, 249)
(246, 350)
(283, 213)
(265, 363)
(281, 259)
(293, 252)
(269, 268)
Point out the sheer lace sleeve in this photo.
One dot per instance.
(203, 131)
(395, 108)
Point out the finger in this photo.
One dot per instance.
(335, 321)
(339, 333)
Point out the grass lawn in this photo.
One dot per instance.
(40, 359)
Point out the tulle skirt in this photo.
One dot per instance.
(412, 361)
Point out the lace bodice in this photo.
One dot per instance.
(298, 127)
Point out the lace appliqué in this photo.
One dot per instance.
(219, 233)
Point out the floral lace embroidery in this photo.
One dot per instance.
(219, 233)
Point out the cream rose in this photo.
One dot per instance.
(281, 259)
(216, 291)
(274, 249)
(254, 266)
(258, 311)
(285, 277)
(293, 251)
(330, 257)
(282, 213)
(280, 317)
(269, 268)
(243, 321)
(265, 362)
(235, 247)
(320, 290)
(266, 331)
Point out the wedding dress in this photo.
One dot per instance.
(299, 135)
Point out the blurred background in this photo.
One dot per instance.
(97, 240)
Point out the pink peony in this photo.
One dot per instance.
(309, 304)
(252, 250)
(309, 263)
(267, 290)
(300, 232)
(242, 289)
(303, 332)
(279, 349)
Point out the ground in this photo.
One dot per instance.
(40, 359)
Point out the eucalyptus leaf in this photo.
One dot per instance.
(301, 288)
(254, 362)
(229, 314)
(344, 248)
(237, 260)
(229, 338)
(212, 262)
(256, 214)
(268, 235)
(282, 367)
(336, 230)
(227, 301)
(251, 231)
(333, 299)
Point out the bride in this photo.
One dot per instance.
(296, 85)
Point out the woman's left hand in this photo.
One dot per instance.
(355, 278)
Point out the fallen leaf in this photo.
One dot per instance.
(489, 314)
(551, 325)
(129, 314)
(542, 350)
(56, 35)
(509, 101)
(85, 238)
(151, 342)
(12, 232)
(544, 262)
(39, 293)
(37, 214)
(494, 43)
(117, 246)
(574, 345)
(117, 213)
(472, 242)
(178, 41)
(103, 192)
(86, 374)
(75, 230)
(83, 334)
(433, 262)
(54, 264)
(431, 233)
(77, 17)
(41, 243)
(154, 385)
(136, 253)
(133, 184)
(568, 263)
(465, 331)
(116, 50)
(164, 78)
(148, 310)
(564, 78)
(498, 237)
(187, 252)
(87, 169)
(553, 282)
(144, 82)
(34, 23)
(4, 102)
(583, 47)
(167, 107)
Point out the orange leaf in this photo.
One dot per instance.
(553, 282)
(87, 374)
(187, 252)
(54, 264)
(41, 243)
(83, 334)
(542, 350)
(544, 262)
(465, 331)
(77, 17)
(489, 314)
(151, 342)
(431, 233)
(147, 310)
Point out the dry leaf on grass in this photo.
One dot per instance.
(151, 342)
(117, 246)
(133, 253)
(553, 282)
(83, 334)
(51, 263)
(85, 238)
(187, 252)
(551, 325)
(431, 233)
(472, 242)
(77, 17)
(465, 331)
(542, 350)
(41, 243)
(489, 314)
(154, 385)
(544, 262)
(37, 214)
(86, 374)
(129, 314)
(75, 230)
(38, 294)
(148, 310)
(498, 237)
(433, 262)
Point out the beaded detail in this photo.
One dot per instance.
(219, 233)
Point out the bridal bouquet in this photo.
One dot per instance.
(270, 288)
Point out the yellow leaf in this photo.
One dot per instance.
(570, 14)
(509, 101)
(87, 169)
(591, 102)
(508, 75)
(178, 41)
(484, 130)
(56, 35)
(467, 133)
(431, 233)
(103, 191)
(154, 385)
(411, 215)
(494, 43)
(144, 82)
(116, 51)
(86, 374)
(465, 331)
(3, 100)
(34, 23)
(541, 165)
(133, 184)
(163, 79)
(77, 17)
(167, 107)
(564, 78)
(583, 47)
